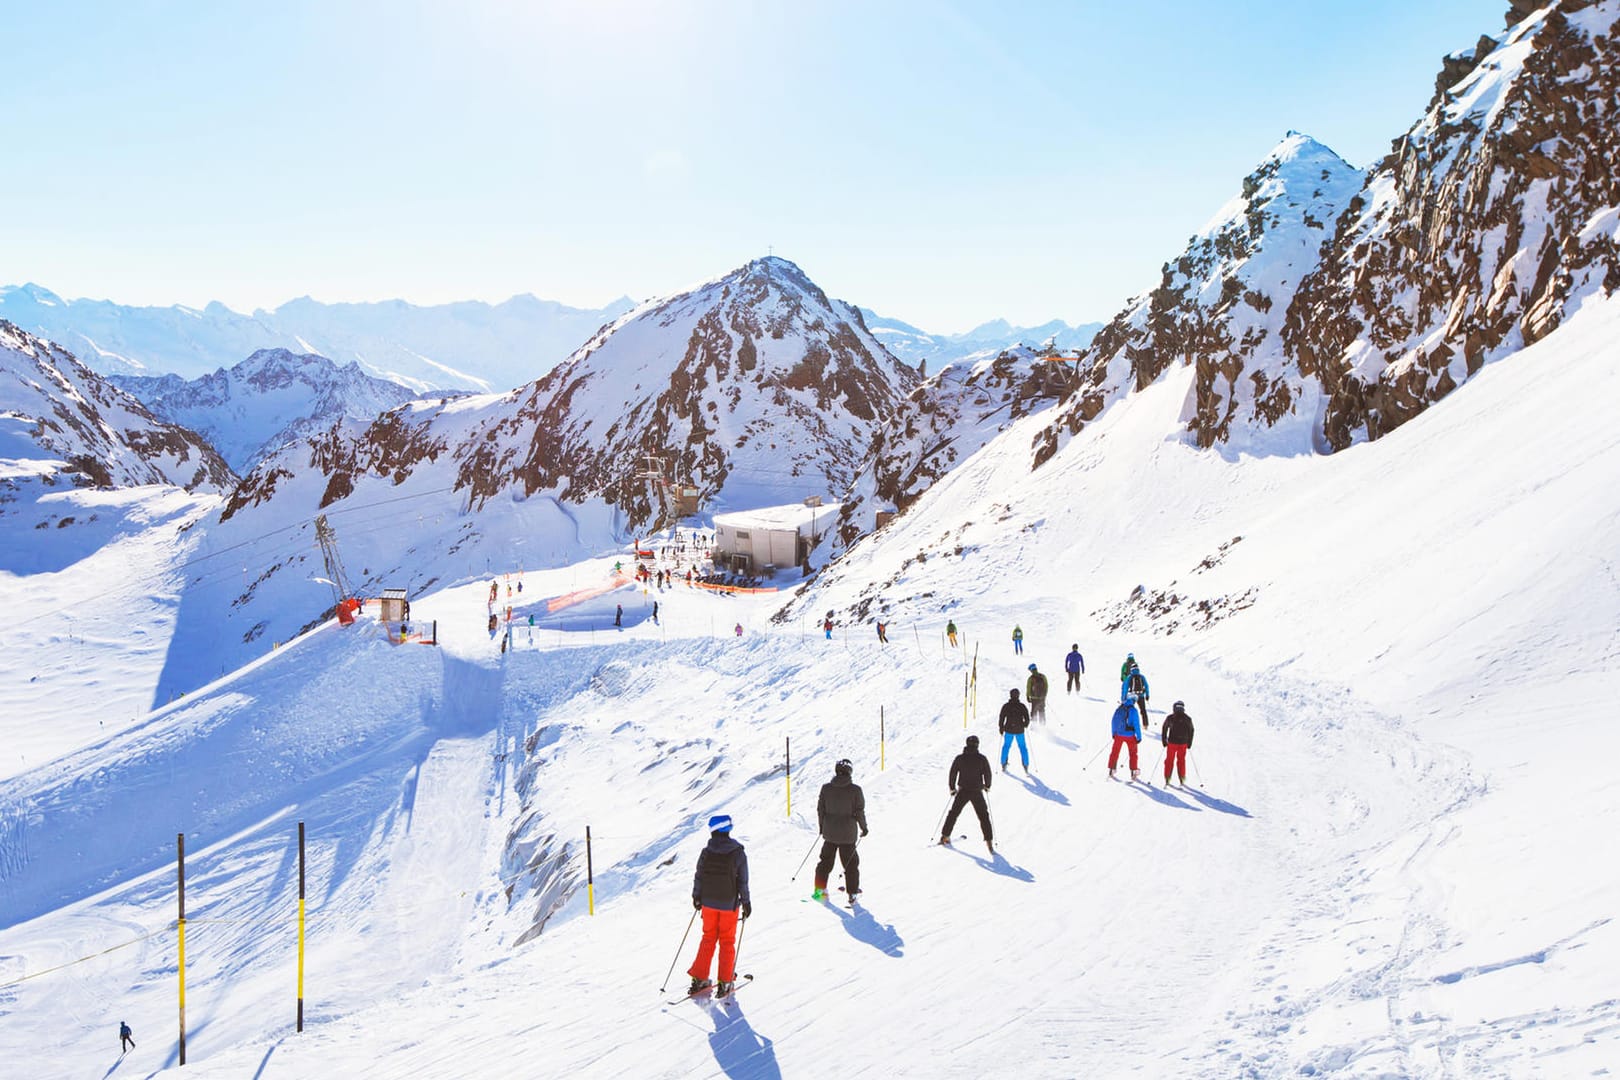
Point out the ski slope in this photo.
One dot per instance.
(1385, 864)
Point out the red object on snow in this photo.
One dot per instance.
(346, 610)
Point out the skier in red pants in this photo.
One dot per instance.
(720, 891)
(1177, 733)
(1127, 732)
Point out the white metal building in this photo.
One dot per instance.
(773, 537)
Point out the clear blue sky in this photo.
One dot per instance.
(942, 162)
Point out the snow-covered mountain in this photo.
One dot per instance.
(462, 346)
(943, 422)
(1491, 220)
(61, 421)
(271, 398)
(1220, 305)
(930, 352)
(755, 388)
(1322, 307)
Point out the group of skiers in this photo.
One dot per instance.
(720, 884)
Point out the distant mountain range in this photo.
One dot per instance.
(469, 345)
(270, 399)
(930, 352)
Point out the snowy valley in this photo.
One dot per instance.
(1343, 481)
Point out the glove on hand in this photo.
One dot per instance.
(865, 830)
(697, 905)
(747, 910)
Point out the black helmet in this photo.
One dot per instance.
(973, 742)
(1014, 693)
(845, 767)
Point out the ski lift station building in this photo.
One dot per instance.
(759, 541)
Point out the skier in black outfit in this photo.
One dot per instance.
(840, 811)
(720, 891)
(970, 779)
(1177, 733)
(126, 1038)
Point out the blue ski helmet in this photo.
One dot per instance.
(720, 823)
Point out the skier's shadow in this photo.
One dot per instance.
(862, 926)
(1058, 740)
(740, 1051)
(1162, 796)
(1038, 787)
(1218, 804)
(997, 863)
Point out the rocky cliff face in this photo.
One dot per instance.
(1485, 226)
(754, 387)
(1221, 303)
(272, 398)
(1322, 306)
(944, 421)
(60, 420)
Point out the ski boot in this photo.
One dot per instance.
(1136, 774)
(945, 840)
(724, 989)
(819, 894)
(698, 986)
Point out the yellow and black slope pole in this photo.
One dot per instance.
(300, 926)
(881, 739)
(180, 871)
(787, 746)
(590, 877)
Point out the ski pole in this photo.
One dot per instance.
(679, 949)
(939, 828)
(1195, 767)
(1094, 757)
(736, 953)
(804, 860)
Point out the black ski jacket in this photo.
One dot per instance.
(841, 810)
(1178, 728)
(721, 880)
(970, 772)
(1014, 718)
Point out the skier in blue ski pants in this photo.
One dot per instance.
(1012, 722)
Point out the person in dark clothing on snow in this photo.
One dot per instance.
(618, 614)
(1035, 693)
(1014, 719)
(720, 891)
(126, 1038)
(883, 633)
(970, 779)
(1127, 732)
(1135, 690)
(1177, 733)
(1075, 665)
(839, 812)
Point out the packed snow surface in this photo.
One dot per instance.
(1387, 860)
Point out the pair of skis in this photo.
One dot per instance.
(707, 990)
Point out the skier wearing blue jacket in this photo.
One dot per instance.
(1075, 665)
(1127, 732)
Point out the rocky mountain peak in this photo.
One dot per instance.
(755, 387)
(59, 418)
(1486, 224)
(1219, 306)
